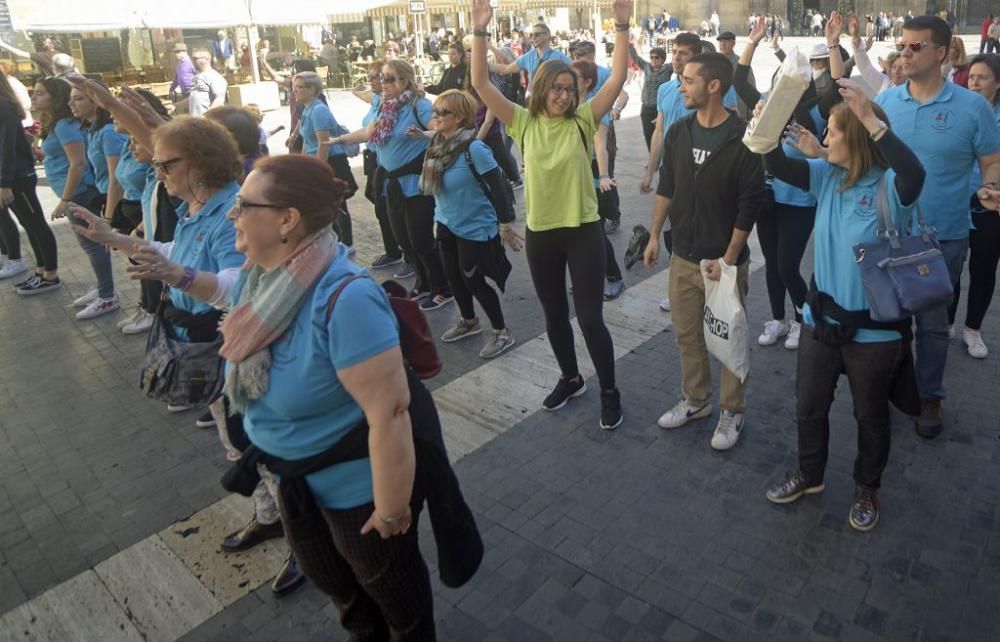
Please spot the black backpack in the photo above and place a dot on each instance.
(486, 188)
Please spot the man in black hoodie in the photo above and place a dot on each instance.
(712, 186)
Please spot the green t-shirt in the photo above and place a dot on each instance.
(559, 183)
(705, 141)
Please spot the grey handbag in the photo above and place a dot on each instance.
(902, 275)
(178, 372)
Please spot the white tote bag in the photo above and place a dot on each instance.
(727, 332)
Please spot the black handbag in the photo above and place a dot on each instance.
(179, 372)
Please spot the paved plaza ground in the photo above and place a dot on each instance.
(111, 511)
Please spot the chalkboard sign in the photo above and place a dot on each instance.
(6, 28)
(101, 54)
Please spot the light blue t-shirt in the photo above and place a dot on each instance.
(131, 175)
(65, 132)
(531, 61)
(399, 149)
(603, 73)
(948, 133)
(372, 110)
(103, 144)
(670, 102)
(306, 409)
(977, 174)
(205, 241)
(317, 117)
(460, 203)
(844, 219)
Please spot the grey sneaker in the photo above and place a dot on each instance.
(463, 328)
(499, 342)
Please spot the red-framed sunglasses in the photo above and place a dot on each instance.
(914, 45)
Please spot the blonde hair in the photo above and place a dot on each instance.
(863, 155)
(462, 103)
(958, 46)
(545, 78)
(404, 71)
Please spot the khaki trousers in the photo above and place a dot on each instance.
(686, 288)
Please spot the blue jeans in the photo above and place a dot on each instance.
(932, 329)
(100, 257)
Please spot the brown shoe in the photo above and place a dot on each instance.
(929, 424)
(251, 535)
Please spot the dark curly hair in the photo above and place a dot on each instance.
(207, 147)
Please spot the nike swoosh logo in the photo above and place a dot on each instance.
(470, 273)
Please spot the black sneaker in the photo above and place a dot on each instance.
(611, 409)
(206, 420)
(636, 246)
(565, 390)
(793, 487)
(864, 512)
(39, 285)
(385, 261)
(28, 279)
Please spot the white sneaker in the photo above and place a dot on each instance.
(141, 323)
(682, 413)
(12, 268)
(773, 330)
(86, 299)
(665, 304)
(175, 408)
(727, 432)
(973, 340)
(99, 307)
(138, 312)
(792, 340)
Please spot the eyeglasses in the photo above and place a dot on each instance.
(164, 165)
(538, 34)
(241, 206)
(442, 112)
(388, 80)
(657, 57)
(560, 89)
(914, 45)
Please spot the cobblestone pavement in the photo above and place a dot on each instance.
(637, 534)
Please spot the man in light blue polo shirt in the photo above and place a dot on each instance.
(670, 104)
(950, 129)
(531, 61)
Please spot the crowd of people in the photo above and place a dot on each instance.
(253, 253)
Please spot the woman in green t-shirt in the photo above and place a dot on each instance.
(555, 134)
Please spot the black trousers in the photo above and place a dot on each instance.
(381, 587)
(869, 368)
(608, 209)
(389, 242)
(29, 214)
(460, 258)
(647, 115)
(342, 225)
(413, 227)
(784, 233)
(984, 255)
(581, 249)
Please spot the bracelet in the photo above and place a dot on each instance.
(187, 280)
(604, 176)
(389, 521)
(622, 26)
(879, 131)
(481, 33)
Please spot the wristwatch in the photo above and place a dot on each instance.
(880, 130)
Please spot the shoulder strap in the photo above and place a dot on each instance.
(337, 292)
(479, 178)
(416, 115)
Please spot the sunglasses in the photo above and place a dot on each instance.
(164, 165)
(442, 112)
(539, 34)
(388, 80)
(914, 45)
(241, 206)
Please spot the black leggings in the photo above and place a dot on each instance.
(784, 233)
(342, 224)
(29, 214)
(579, 248)
(607, 208)
(413, 227)
(984, 255)
(460, 258)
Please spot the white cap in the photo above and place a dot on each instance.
(819, 51)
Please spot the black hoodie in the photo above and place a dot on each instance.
(16, 157)
(726, 192)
